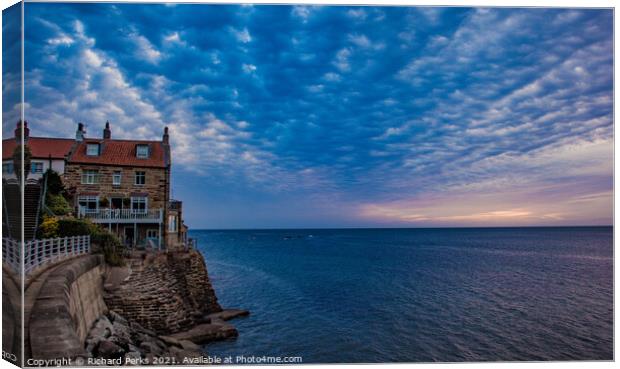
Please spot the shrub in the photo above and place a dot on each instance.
(111, 248)
(48, 228)
(57, 204)
(54, 182)
(76, 227)
(107, 243)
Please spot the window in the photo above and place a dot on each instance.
(88, 204)
(7, 168)
(116, 178)
(152, 233)
(36, 168)
(92, 149)
(90, 176)
(142, 151)
(140, 178)
(138, 205)
(172, 223)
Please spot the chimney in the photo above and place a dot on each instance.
(107, 133)
(18, 132)
(79, 134)
(166, 138)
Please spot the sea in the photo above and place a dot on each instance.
(415, 295)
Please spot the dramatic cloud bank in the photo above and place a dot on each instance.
(309, 116)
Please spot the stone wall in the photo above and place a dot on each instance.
(70, 301)
(156, 186)
(166, 292)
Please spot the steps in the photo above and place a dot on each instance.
(12, 221)
(32, 201)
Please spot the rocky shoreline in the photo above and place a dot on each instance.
(161, 309)
(114, 339)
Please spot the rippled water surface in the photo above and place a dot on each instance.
(403, 295)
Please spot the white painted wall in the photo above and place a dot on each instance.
(58, 165)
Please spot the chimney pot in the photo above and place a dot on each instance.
(79, 134)
(18, 131)
(107, 133)
(166, 137)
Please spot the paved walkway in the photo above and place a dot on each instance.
(33, 289)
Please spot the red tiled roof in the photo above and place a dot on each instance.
(121, 152)
(40, 147)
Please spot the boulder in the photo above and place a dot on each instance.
(150, 347)
(189, 345)
(203, 333)
(122, 334)
(109, 350)
(170, 341)
(228, 314)
(117, 318)
(132, 356)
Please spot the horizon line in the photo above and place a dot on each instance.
(354, 228)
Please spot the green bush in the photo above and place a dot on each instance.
(108, 244)
(76, 227)
(54, 182)
(57, 204)
(48, 228)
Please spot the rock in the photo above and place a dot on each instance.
(138, 328)
(181, 354)
(122, 334)
(189, 345)
(132, 356)
(228, 314)
(109, 350)
(101, 329)
(151, 347)
(171, 341)
(204, 333)
(117, 318)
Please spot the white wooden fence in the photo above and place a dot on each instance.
(45, 251)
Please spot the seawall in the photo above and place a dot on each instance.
(70, 301)
(165, 292)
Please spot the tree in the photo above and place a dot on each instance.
(17, 161)
(54, 182)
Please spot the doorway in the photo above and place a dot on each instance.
(129, 236)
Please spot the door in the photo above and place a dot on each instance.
(129, 236)
(152, 237)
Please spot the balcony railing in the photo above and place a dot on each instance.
(123, 215)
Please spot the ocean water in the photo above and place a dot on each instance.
(416, 295)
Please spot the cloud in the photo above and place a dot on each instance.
(379, 112)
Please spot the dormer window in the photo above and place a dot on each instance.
(142, 151)
(92, 149)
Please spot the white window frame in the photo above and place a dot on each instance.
(143, 175)
(142, 151)
(88, 198)
(90, 147)
(173, 223)
(117, 176)
(90, 176)
(154, 233)
(139, 200)
(34, 165)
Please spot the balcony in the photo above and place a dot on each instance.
(123, 215)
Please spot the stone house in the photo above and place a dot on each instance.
(123, 185)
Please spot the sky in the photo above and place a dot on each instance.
(338, 116)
